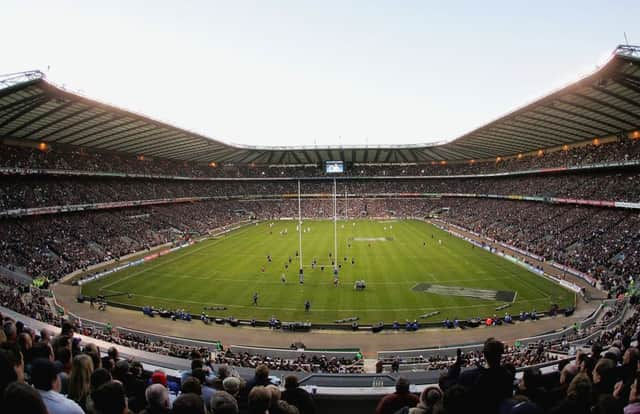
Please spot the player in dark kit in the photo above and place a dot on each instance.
(307, 306)
(255, 299)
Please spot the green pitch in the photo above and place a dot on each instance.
(408, 273)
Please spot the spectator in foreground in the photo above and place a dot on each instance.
(188, 404)
(191, 386)
(578, 399)
(634, 398)
(261, 377)
(44, 377)
(259, 400)
(23, 398)
(489, 385)
(223, 403)
(297, 396)
(429, 397)
(232, 386)
(110, 398)
(205, 390)
(399, 399)
(277, 406)
(8, 372)
(80, 379)
(157, 397)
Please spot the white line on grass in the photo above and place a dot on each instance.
(331, 309)
(329, 278)
(162, 263)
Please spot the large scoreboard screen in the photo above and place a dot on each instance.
(334, 167)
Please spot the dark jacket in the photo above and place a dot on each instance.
(301, 399)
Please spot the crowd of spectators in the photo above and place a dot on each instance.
(302, 363)
(518, 357)
(600, 242)
(31, 302)
(42, 373)
(45, 373)
(27, 192)
(74, 158)
(542, 351)
(55, 245)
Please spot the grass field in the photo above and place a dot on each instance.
(391, 256)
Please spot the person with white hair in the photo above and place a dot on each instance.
(158, 402)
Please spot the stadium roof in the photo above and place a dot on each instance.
(602, 104)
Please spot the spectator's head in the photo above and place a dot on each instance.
(613, 353)
(568, 373)
(110, 398)
(42, 350)
(99, 377)
(80, 378)
(580, 388)
(402, 385)
(159, 377)
(430, 396)
(191, 386)
(596, 350)
(136, 368)
(262, 372)
(223, 403)
(631, 357)
(45, 335)
(7, 369)
(157, 397)
(188, 404)
(492, 351)
(603, 371)
(223, 372)
(17, 359)
(67, 328)
(22, 398)
(231, 385)
(291, 382)
(94, 352)
(10, 331)
(44, 375)
(112, 352)
(196, 363)
(121, 370)
(259, 400)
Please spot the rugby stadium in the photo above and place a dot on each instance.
(337, 269)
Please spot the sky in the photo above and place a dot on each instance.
(325, 73)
